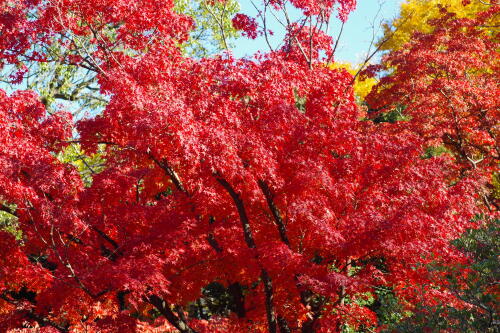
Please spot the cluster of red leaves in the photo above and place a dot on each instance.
(306, 45)
(247, 24)
(448, 81)
(324, 7)
(251, 173)
(70, 23)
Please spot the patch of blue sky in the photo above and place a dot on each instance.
(363, 27)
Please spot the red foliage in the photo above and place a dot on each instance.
(247, 24)
(246, 173)
(315, 7)
(448, 82)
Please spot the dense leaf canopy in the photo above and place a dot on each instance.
(232, 195)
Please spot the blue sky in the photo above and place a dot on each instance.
(356, 36)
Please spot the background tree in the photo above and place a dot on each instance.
(417, 16)
(474, 282)
(440, 88)
(59, 81)
(446, 82)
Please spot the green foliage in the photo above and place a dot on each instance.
(496, 185)
(392, 116)
(214, 30)
(433, 151)
(8, 221)
(478, 289)
(87, 165)
(300, 101)
(387, 306)
(59, 83)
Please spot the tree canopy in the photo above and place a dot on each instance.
(215, 194)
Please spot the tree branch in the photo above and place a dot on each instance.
(247, 231)
(274, 210)
(165, 310)
(42, 321)
(168, 169)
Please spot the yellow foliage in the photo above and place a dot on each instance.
(415, 14)
(496, 185)
(361, 87)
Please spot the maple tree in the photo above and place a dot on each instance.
(255, 179)
(59, 82)
(443, 84)
(447, 83)
(477, 288)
